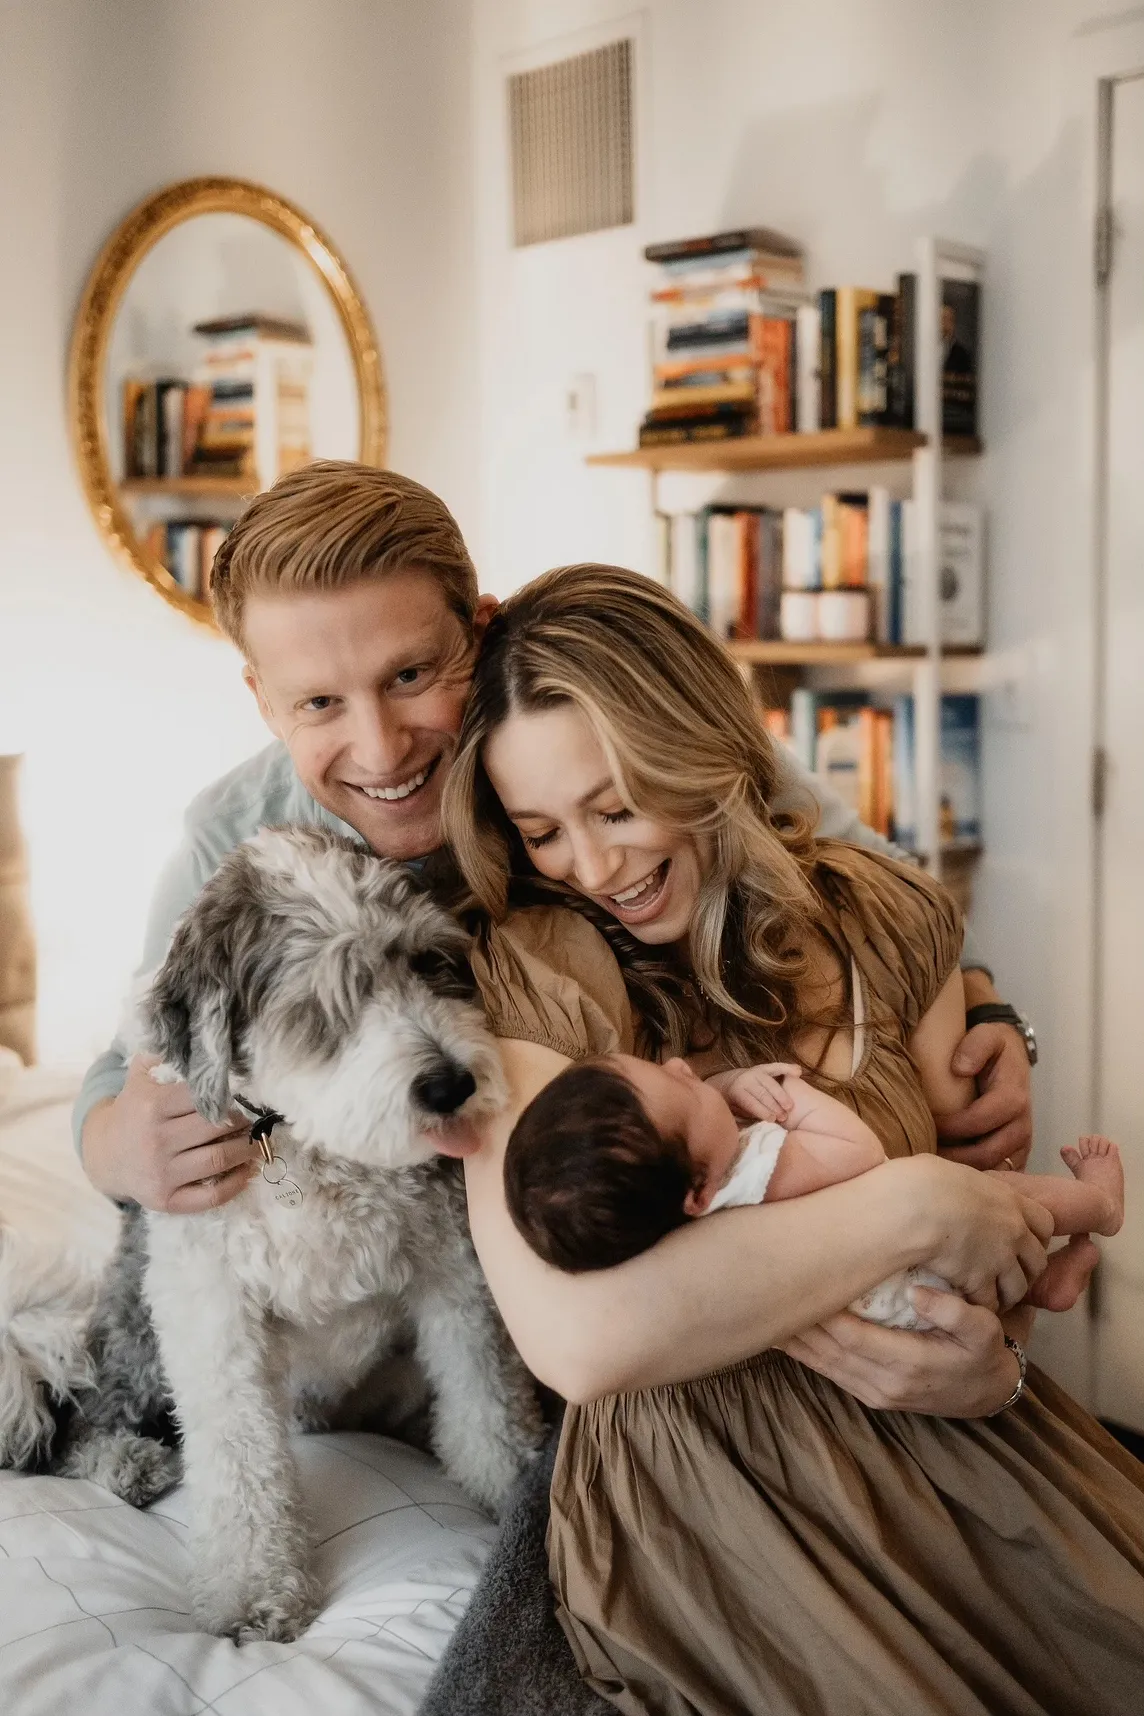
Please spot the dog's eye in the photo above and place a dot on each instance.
(446, 972)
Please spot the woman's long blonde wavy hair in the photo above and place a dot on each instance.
(686, 749)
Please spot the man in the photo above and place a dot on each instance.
(352, 597)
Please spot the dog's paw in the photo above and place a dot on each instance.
(135, 1468)
(280, 1613)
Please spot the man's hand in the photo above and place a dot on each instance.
(995, 1131)
(150, 1144)
(960, 1369)
(1000, 1121)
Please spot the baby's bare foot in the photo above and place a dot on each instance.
(1096, 1162)
(1066, 1276)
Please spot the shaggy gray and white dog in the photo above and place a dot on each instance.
(315, 981)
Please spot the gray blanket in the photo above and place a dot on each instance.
(509, 1656)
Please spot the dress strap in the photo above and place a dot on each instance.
(859, 1048)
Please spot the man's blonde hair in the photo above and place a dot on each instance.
(333, 523)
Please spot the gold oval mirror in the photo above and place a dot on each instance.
(220, 342)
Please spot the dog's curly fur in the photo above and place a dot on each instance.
(322, 983)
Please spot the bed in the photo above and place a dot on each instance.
(94, 1609)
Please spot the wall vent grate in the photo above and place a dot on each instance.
(572, 154)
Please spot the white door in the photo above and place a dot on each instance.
(1120, 1321)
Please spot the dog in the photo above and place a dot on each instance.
(323, 991)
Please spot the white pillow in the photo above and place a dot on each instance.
(95, 1617)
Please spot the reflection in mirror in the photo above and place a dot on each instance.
(220, 343)
(227, 367)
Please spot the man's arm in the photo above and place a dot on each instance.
(144, 1141)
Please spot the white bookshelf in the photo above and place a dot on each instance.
(925, 667)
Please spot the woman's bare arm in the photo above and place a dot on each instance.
(719, 1290)
(932, 1048)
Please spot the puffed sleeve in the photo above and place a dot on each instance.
(547, 976)
(903, 929)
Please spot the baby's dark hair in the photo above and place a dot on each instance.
(588, 1180)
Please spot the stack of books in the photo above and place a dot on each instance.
(723, 313)
(246, 413)
(257, 424)
(187, 547)
(740, 348)
(839, 572)
(865, 751)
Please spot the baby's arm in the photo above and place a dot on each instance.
(826, 1142)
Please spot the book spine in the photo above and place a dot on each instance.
(808, 357)
(703, 563)
(902, 354)
(896, 576)
(828, 359)
(831, 552)
(960, 312)
(878, 561)
(873, 362)
(678, 434)
(846, 360)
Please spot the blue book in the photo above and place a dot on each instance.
(896, 581)
(960, 769)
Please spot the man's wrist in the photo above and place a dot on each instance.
(1002, 1013)
(91, 1144)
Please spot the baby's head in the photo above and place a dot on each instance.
(614, 1154)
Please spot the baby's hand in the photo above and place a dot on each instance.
(757, 1093)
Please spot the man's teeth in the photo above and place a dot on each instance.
(633, 893)
(402, 791)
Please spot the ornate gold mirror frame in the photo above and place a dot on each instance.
(107, 283)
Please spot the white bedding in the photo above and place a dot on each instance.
(94, 1616)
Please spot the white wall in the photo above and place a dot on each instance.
(856, 125)
(358, 110)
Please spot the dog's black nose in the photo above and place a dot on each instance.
(443, 1090)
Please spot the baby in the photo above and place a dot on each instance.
(616, 1152)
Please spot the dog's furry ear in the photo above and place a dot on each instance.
(188, 1013)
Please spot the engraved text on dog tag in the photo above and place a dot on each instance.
(289, 1194)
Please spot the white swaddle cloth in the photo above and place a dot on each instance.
(889, 1302)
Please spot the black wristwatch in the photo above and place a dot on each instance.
(1000, 1012)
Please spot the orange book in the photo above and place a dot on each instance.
(771, 340)
(867, 767)
(853, 533)
(747, 558)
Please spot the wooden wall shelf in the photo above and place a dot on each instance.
(782, 452)
(192, 488)
(779, 653)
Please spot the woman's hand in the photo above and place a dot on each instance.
(960, 1369)
(989, 1249)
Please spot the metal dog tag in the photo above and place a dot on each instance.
(286, 1191)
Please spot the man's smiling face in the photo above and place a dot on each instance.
(366, 686)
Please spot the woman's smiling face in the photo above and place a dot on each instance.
(551, 775)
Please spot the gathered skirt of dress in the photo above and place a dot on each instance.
(758, 1542)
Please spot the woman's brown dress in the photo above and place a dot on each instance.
(758, 1541)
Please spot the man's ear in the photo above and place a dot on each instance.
(485, 609)
(254, 684)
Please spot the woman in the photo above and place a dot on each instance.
(731, 1532)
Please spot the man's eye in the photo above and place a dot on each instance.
(318, 704)
(408, 676)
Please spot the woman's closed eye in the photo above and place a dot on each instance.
(532, 841)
